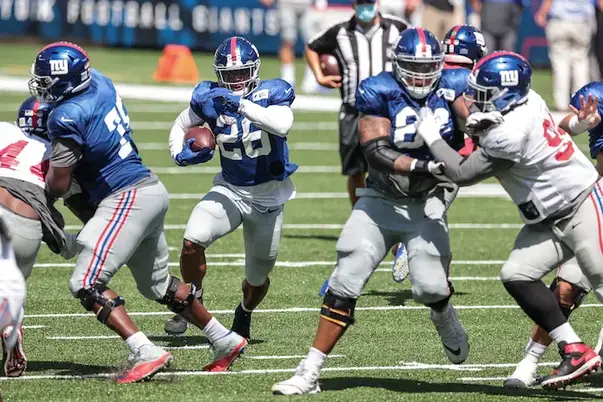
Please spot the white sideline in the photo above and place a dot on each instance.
(405, 367)
(294, 310)
(338, 226)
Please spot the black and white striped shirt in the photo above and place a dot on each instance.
(360, 54)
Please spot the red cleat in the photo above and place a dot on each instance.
(578, 360)
(226, 351)
(149, 360)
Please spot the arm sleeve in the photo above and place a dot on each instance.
(470, 170)
(187, 119)
(274, 119)
(326, 41)
(65, 153)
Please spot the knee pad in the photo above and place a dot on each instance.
(94, 295)
(339, 310)
(169, 299)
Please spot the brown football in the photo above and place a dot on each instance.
(329, 65)
(204, 138)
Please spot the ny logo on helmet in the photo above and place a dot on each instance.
(509, 78)
(59, 67)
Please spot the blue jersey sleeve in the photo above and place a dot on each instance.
(199, 98)
(281, 93)
(65, 122)
(453, 83)
(595, 135)
(371, 98)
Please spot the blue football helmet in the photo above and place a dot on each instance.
(61, 69)
(464, 44)
(499, 82)
(32, 117)
(418, 60)
(237, 65)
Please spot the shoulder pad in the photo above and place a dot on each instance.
(453, 83)
(64, 122)
(276, 91)
(373, 95)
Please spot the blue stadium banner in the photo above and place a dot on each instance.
(199, 24)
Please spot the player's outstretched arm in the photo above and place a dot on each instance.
(463, 171)
(184, 121)
(374, 132)
(584, 118)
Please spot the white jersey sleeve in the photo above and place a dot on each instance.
(23, 156)
(549, 172)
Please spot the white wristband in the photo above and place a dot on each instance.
(578, 127)
(413, 164)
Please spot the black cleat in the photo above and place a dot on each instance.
(242, 323)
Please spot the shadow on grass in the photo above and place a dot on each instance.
(66, 368)
(175, 341)
(401, 297)
(407, 386)
(311, 236)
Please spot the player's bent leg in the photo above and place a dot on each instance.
(262, 229)
(213, 217)
(362, 245)
(12, 298)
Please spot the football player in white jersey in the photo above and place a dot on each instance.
(555, 187)
(570, 286)
(25, 208)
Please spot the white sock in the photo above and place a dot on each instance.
(534, 351)
(315, 359)
(214, 330)
(288, 73)
(564, 333)
(245, 309)
(137, 340)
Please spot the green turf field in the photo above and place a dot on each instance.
(392, 353)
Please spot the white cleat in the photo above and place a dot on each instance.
(453, 335)
(145, 363)
(400, 268)
(226, 351)
(599, 343)
(524, 376)
(305, 381)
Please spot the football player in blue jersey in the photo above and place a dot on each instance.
(463, 46)
(90, 133)
(404, 202)
(250, 119)
(570, 286)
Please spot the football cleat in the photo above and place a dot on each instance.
(599, 343)
(145, 363)
(453, 335)
(15, 362)
(226, 351)
(400, 267)
(304, 381)
(524, 376)
(241, 323)
(176, 326)
(578, 360)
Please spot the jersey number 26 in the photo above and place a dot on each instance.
(254, 143)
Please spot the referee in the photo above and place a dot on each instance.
(361, 46)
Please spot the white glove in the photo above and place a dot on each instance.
(435, 167)
(480, 121)
(428, 126)
(421, 166)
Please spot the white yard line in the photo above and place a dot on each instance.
(217, 169)
(186, 347)
(289, 264)
(167, 125)
(404, 367)
(296, 146)
(296, 310)
(33, 326)
(338, 226)
(287, 357)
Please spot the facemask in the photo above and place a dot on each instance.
(366, 12)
